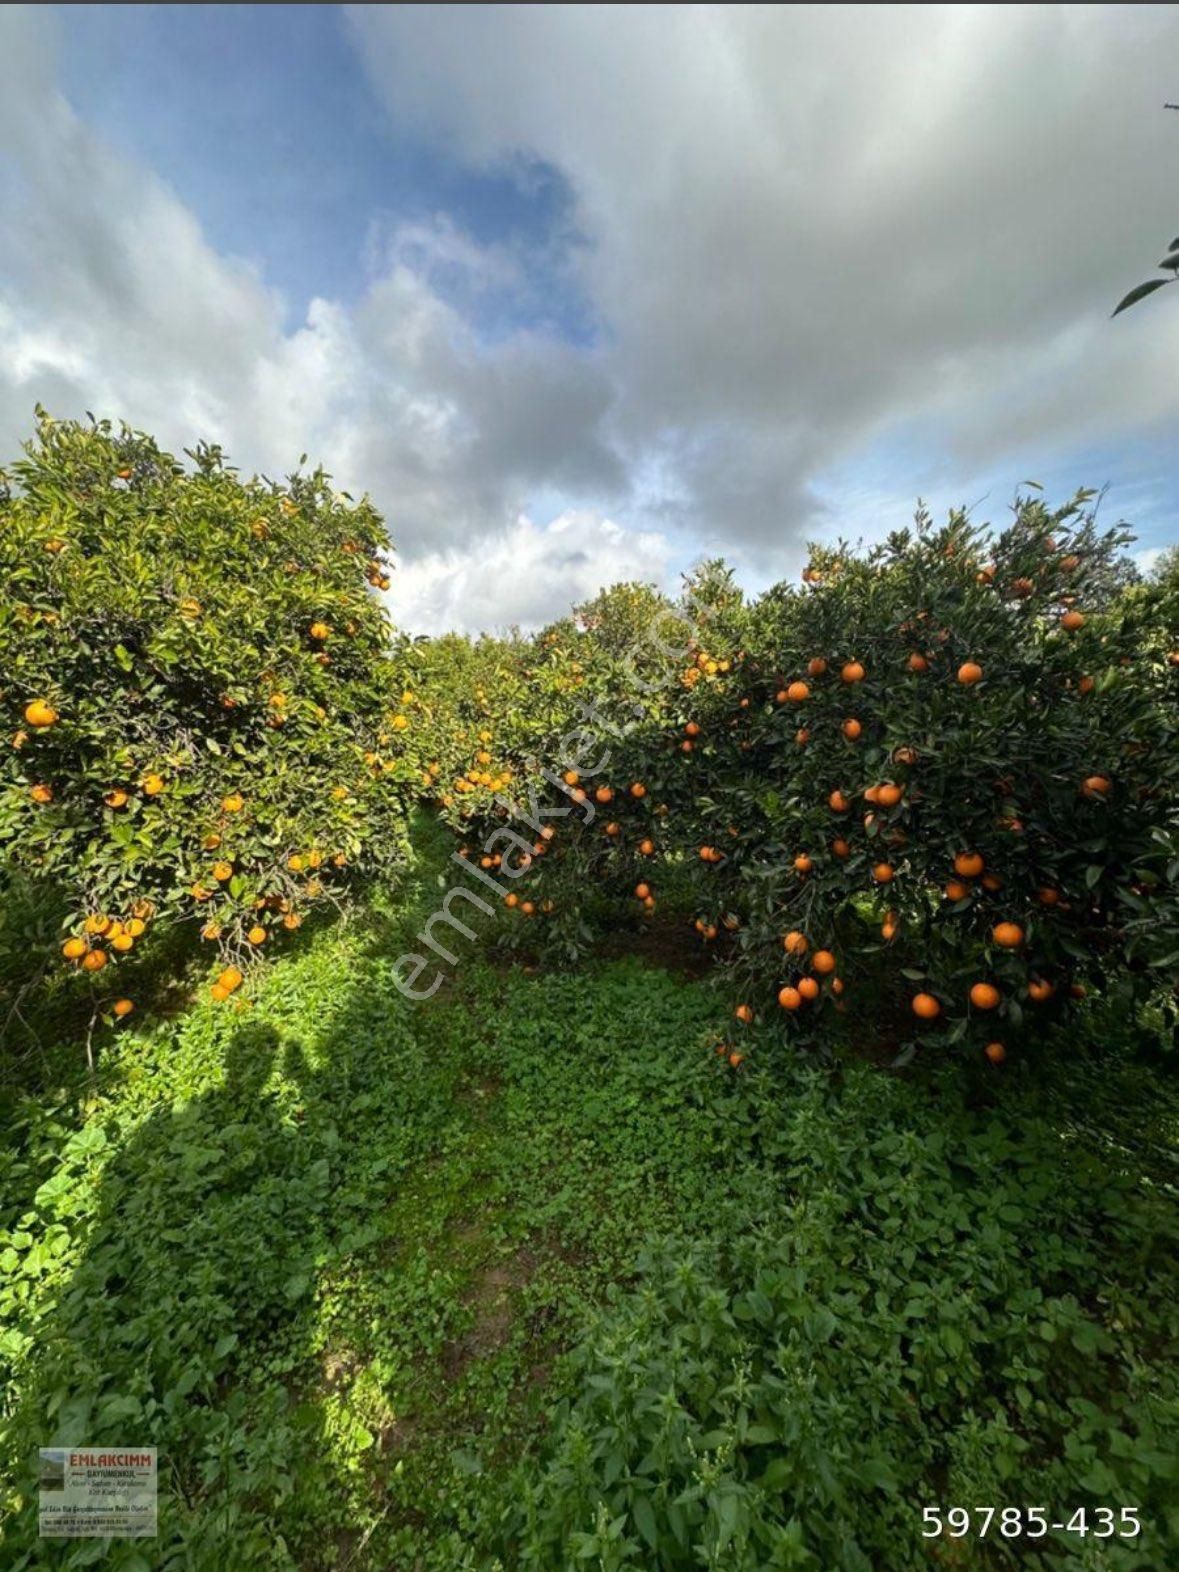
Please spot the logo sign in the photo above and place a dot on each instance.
(98, 1492)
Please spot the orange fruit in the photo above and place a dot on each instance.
(256, 935)
(918, 663)
(837, 985)
(851, 729)
(230, 979)
(889, 926)
(1072, 621)
(41, 794)
(94, 960)
(96, 924)
(612, 828)
(1097, 786)
(883, 873)
(984, 996)
(926, 1006)
(969, 673)
(956, 890)
(211, 930)
(823, 962)
(115, 799)
(968, 865)
(797, 692)
(74, 949)
(222, 871)
(691, 729)
(808, 987)
(781, 696)
(638, 789)
(1086, 685)
(642, 891)
(122, 942)
(123, 1007)
(789, 998)
(736, 1059)
(40, 713)
(838, 803)
(904, 755)
(802, 735)
(991, 881)
(795, 943)
(511, 899)
(571, 777)
(233, 803)
(853, 671)
(220, 992)
(647, 848)
(604, 794)
(527, 908)
(1047, 896)
(840, 848)
(888, 795)
(319, 631)
(153, 785)
(744, 1012)
(995, 1052)
(1039, 990)
(1008, 935)
(816, 667)
(803, 863)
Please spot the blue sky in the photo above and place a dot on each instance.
(263, 120)
(580, 294)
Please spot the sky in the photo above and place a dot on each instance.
(581, 294)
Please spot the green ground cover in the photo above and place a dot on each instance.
(527, 1277)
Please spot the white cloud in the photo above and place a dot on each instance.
(112, 299)
(810, 223)
(526, 575)
(807, 234)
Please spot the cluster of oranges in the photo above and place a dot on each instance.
(707, 666)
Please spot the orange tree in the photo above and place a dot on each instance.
(939, 780)
(952, 785)
(206, 719)
(577, 753)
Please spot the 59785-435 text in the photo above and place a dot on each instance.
(1013, 1522)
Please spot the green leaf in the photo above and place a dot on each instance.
(1140, 293)
(644, 1515)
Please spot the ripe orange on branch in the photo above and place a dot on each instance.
(40, 714)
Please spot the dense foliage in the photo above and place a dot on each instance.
(930, 770)
(203, 716)
(595, 1258)
(853, 1298)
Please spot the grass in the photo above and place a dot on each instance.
(524, 1277)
